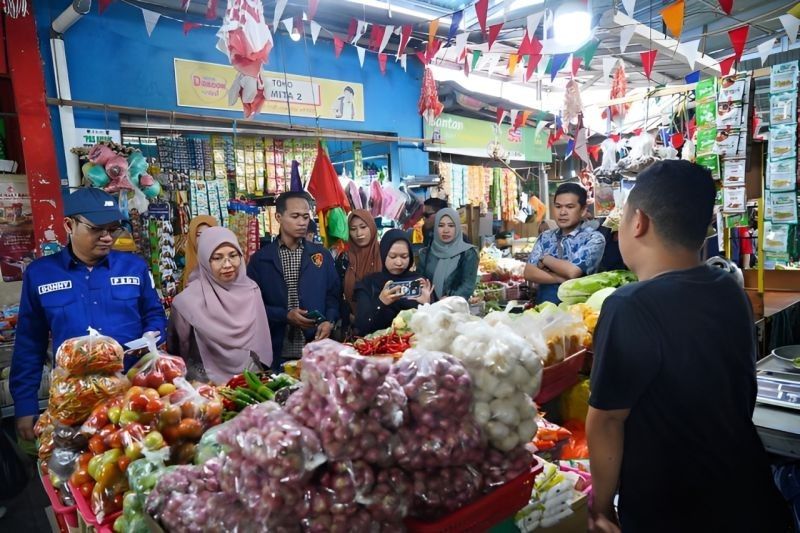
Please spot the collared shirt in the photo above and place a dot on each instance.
(290, 262)
(583, 247)
(61, 297)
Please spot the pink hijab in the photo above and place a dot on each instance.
(229, 319)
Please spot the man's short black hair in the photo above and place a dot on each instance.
(437, 204)
(678, 196)
(572, 188)
(350, 90)
(280, 203)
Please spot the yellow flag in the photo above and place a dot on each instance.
(512, 64)
(432, 31)
(795, 10)
(673, 18)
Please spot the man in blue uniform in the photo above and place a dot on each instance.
(85, 285)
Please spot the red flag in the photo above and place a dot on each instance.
(211, 10)
(594, 151)
(533, 62)
(726, 5)
(189, 26)
(433, 49)
(313, 5)
(726, 64)
(338, 46)
(522, 119)
(648, 59)
(423, 58)
(102, 5)
(637, 132)
(351, 30)
(382, 62)
(324, 184)
(615, 137)
(576, 64)
(481, 8)
(376, 36)
(404, 37)
(500, 114)
(677, 140)
(494, 31)
(738, 38)
(529, 46)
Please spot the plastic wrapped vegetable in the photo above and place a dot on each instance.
(209, 447)
(111, 482)
(391, 496)
(498, 468)
(143, 474)
(156, 368)
(580, 289)
(102, 415)
(44, 433)
(434, 325)
(90, 354)
(72, 398)
(441, 491)
(61, 465)
(186, 414)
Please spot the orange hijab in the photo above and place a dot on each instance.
(364, 260)
(191, 247)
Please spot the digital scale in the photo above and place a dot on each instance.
(777, 412)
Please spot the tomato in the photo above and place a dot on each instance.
(155, 379)
(190, 428)
(154, 440)
(138, 402)
(83, 460)
(166, 388)
(106, 431)
(189, 410)
(171, 434)
(154, 406)
(86, 489)
(213, 409)
(123, 463)
(80, 477)
(140, 380)
(117, 501)
(99, 419)
(115, 440)
(170, 415)
(96, 446)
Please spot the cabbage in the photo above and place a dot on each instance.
(596, 300)
(578, 290)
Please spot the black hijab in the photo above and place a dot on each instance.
(374, 283)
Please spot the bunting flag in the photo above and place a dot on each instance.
(625, 36)
(102, 5)
(764, 50)
(512, 64)
(481, 8)
(608, 66)
(189, 26)
(630, 6)
(361, 53)
(514, 115)
(532, 22)
(185, 5)
(405, 35)
(351, 30)
(587, 52)
(404, 62)
(338, 46)
(298, 25)
(738, 39)
(533, 62)
(541, 69)
(280, 5)
(361, 29)
(673, 18)
(466, 67)
(529, 46)
(476, 55)
(315, 29)
(211, 10)
(382, 62)
(570, 148)
(726, 64)
(581, 147)
(694, 77)
(288, 24)
(376, 36)
(524, 121)
(494, 59)
(461, 45)
(494, 31)
(594, 151)
(648, 60)
(540, 126)
(432, 29)
(576, 64)
(387, 35)
(433, 49)
(558, 62)
(313, 5)
(458, 16)
(423, 58)
(150, 20)
(791, 25)
(689, 50)
(547, 23)
(727, 6)
(501, 113)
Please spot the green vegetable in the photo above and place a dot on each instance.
(578, 290)
(796, 362)
(596, 300)
(256, 386)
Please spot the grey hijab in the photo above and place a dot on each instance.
(448, 254)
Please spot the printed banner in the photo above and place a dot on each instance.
(206, 85)
(17, 244)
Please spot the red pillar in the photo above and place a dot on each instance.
(38, 145)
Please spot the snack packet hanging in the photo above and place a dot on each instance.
(156, 368)
(91, 354)
(72, 398)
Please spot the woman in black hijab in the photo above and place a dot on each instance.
(378, 297)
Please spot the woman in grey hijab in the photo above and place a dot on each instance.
(449, 262)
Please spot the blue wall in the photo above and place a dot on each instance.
(111, 60)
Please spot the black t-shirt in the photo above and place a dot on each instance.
(679, 352)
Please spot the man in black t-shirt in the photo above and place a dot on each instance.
(673, 384)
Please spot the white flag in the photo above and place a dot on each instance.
(514, 113)
(289, 25)
(581, 147)
(360, 31)
(461, 43)
(150, 20)
(608, 66)
(625, 36)
(540, 126)
(361, 52)
(494, 59)
(764, 50)
(386, 36)
(790, 24)
(533, 22)
(630, 6)
(404, 62)
(280, 5)
(315, 28)
(689, 50)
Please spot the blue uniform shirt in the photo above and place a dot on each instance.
(62, 297)
(583, 247)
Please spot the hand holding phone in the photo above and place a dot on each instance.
(316, 316)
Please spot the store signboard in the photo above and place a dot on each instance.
(17, 244)
(206, 85)
(88, 137)
(466, 136)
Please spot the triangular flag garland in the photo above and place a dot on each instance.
(587, 52)
(727, 6)
(211, 9)
(476, 55)
(280, 5)
(694, 77)
(558, 62)
(382, 58)
(189, 26)
(315, 29)
(288, 24)
(405, 35)
(532, 22)
(690, 50)
(630, 6)
(791, 24)
(361, 29)
(501, 113)
(673, 18)
(376, 36)
(313, 5)
(648, 60)
(461, 44)
(150, 20)
(387, 35)
(361, 53)
(481, 9)
(514, 115)
(625, 36)
(576, 64)
(351, 30)
(494, 31)
(338, 46)
(512, 64)
(764, 50)
(529, 46)
(432, 29)
(738, 39)
(404, 62)
(458, 16)
(726, 64)
(533, 62)
(608, 65)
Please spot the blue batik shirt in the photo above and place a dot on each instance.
(583, 247)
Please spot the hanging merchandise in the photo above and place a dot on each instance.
(328, 194)
(619, 88)
(573, 107)
(115, 168)
(429, 105)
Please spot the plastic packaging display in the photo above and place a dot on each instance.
(443, 490)
(498, 468)
(61, 464)
(90, 354)
(143, 474)
(156, 367)
(72, 398)
(188, 413)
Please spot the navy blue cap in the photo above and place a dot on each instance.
(95, 205)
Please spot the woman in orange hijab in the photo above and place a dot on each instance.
(197, 225)
(362, 258)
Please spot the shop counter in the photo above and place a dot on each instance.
(777, 412)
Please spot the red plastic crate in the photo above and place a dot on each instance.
(66, 515)
(560, 377)
(85, 509)
(488, 511)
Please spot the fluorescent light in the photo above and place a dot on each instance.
(520, 4)
(572, 23)
(378, 4)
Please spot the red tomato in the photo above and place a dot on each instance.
(115, 440)
(155, 379)
(86, 489)
(117, 501)
(107, 430)
(138, 402)
(96, 446)
(140, 380)
(83, 460)
(171, 434)
(190, 428)
(80, 477)
(123, 463)
(154, 406)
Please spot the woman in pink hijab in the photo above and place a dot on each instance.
(218, 323)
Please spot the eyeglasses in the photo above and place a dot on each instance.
(114, 230)
(234, 260)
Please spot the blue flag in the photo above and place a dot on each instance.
(694, 77)
(457, 16)
(557, 63)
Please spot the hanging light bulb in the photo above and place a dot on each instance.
(295, 35)
(572, 23)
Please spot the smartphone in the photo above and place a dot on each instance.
(411, 289)
(316, 316)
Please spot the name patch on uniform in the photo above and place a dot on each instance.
(53, 287)
(125, 280)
